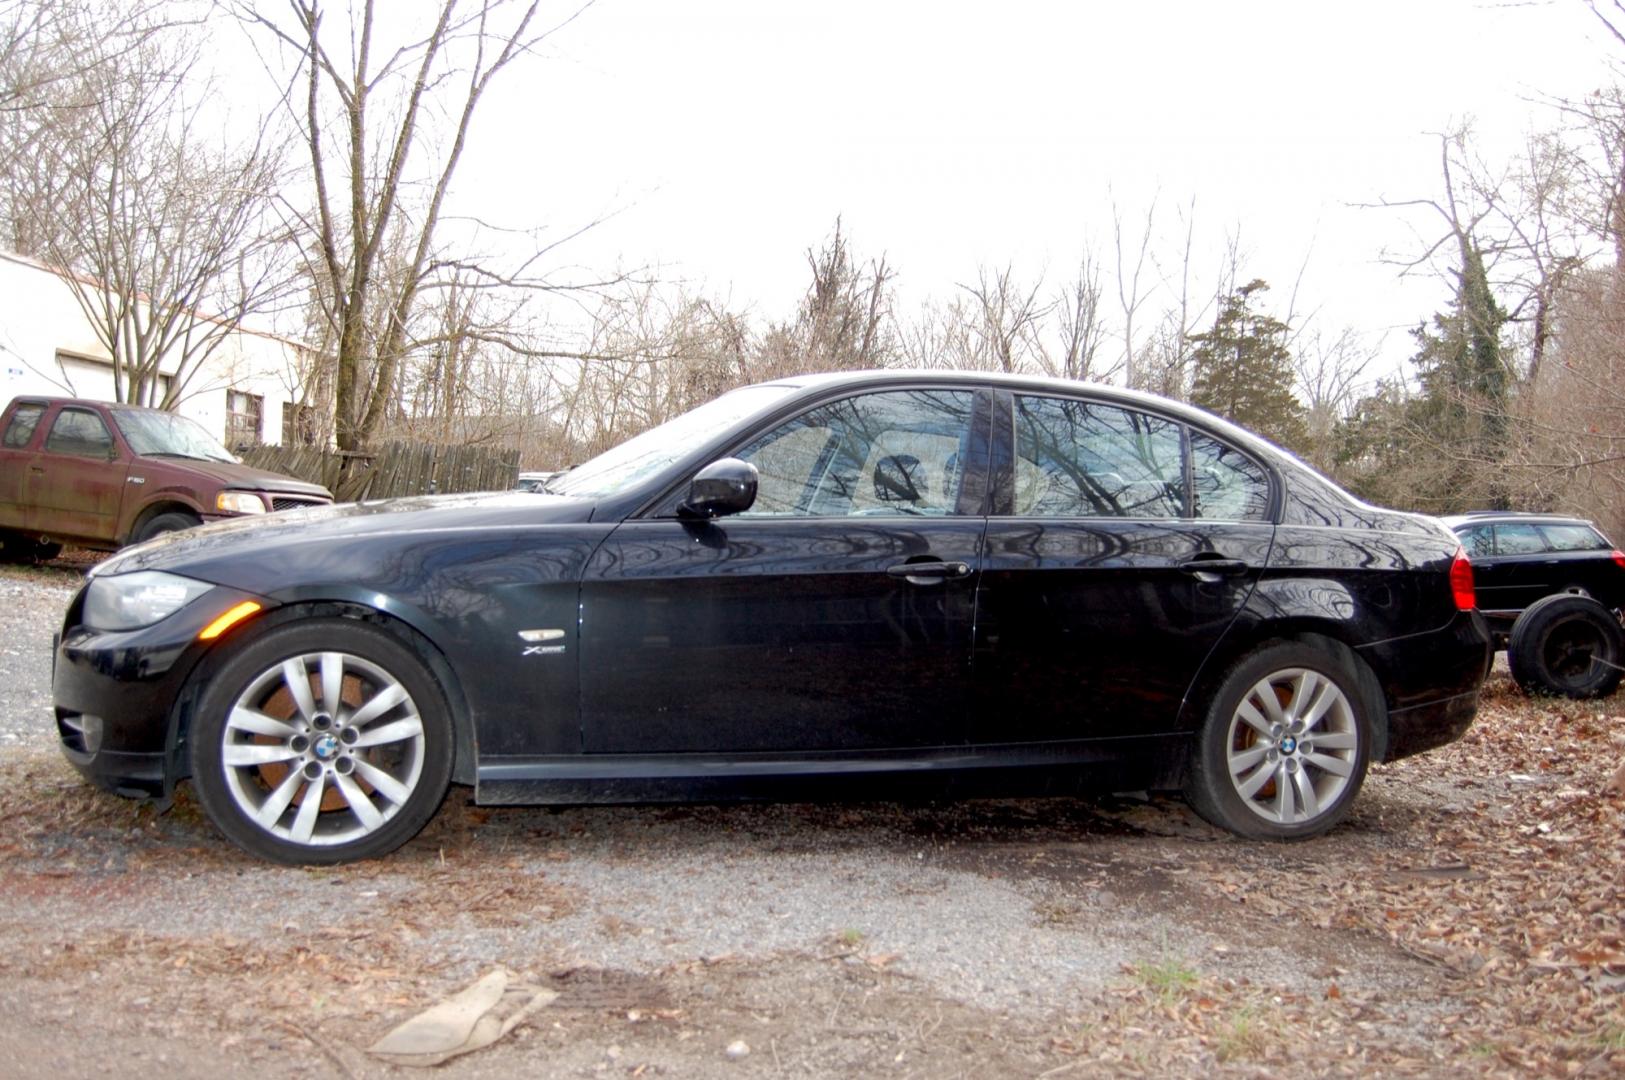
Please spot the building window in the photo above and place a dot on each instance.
(299, 424)
(243, 419)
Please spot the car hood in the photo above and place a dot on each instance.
(248, 536)
(230, 474)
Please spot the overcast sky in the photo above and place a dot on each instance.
(726, 135)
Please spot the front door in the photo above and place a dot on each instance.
(834, 615)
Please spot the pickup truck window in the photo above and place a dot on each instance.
(79, 432)
(23, 422)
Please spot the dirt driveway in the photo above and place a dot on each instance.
(1466, 921)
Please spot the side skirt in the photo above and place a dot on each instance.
(1129, 764)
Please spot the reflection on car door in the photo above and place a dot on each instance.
(1121, 547)
(835, 615)
(1520, 572)
(75, 482)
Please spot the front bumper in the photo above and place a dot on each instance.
(119, 696)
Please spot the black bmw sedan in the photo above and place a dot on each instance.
(872, 582)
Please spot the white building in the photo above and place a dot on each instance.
(247, 391)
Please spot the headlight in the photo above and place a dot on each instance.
(239, 502)
(128, 601)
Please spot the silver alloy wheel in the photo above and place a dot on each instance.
(322, 748)
(1292, 746)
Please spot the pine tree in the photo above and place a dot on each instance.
(1461, 412)
(1243, 370)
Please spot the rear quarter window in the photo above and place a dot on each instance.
(1573, 538)
(21, 428)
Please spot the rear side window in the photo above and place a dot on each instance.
(79, 432)
(23, 422)
(1518, 540)
(1086, 459)
(1573, 538)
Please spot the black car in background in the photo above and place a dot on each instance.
(1520, 558)
(879, 582)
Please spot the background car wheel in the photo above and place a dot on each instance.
(1571, 646)
(322, 742)
(1284, 748)
(174, 521)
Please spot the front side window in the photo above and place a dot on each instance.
(893, 452)
(23, 422)
(1087, 459)
(79, 432)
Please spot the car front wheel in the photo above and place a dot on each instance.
(1284, 747)
(322, 742)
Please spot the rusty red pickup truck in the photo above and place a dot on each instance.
(101, 475)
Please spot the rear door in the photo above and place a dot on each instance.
(76, 481)
(16, 454)
(835, 615)
(1121, 547)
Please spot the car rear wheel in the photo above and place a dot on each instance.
(322, 742)
(1566, 645)
(173, 521)
(1284, 747)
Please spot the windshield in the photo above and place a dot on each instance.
(658, 447)
(153, 433)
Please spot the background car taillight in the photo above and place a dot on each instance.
(1619, 558)
(1461, 582)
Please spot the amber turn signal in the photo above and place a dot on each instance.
(231, 617)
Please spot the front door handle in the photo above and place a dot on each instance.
(926, 573)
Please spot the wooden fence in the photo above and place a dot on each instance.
(396, 468)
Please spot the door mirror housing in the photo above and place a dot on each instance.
(727, 486)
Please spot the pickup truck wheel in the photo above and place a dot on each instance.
(165, 523)
(16, 547)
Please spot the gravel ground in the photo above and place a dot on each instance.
(31, 606)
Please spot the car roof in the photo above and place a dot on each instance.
(1041, 384)
(1485, 517)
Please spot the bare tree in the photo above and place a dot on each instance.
(374, 195)
(157, 223)
(1007, 318)
(1080, 328)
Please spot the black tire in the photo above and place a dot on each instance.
(1570, 646)
(300, 783)
(1262, 770)
(174, 521)
(16, 547)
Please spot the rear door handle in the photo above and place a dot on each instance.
(1227, 567)
(924, 573)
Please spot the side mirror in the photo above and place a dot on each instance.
(723, 487)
